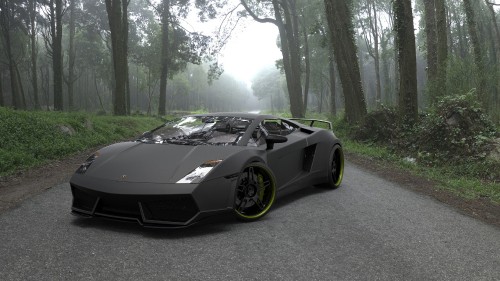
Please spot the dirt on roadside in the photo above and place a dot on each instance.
(24, 184)
(18, 187)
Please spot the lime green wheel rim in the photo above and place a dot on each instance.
(337, 166)
(255, 192)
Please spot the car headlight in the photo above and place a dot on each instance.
(83, 168)
(196, 175)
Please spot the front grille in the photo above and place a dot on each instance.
(153, 208)
(119, 205)
(83, 200)
(174, 208)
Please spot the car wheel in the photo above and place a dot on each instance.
(255, 192)
(336, 167)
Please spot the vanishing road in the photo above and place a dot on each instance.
(368, 229)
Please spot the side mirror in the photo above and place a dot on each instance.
(272, 139)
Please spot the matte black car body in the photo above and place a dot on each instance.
(144, 182)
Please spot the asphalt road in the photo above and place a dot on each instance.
(368, 229)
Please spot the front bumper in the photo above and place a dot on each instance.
(151, 204)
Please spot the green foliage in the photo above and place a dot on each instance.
(457, 130)
(378, 126)
(32, 138)
(453, 138)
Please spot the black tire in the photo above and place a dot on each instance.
(255, 192)
(335, 168)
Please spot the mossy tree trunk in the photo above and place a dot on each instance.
(339, 19)
(408, 101)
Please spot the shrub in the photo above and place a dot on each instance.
(456, 130)
(379, 126)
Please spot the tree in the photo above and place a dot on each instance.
(32, 8)
(9, 24)
(442, 46)
(53, 42)
(70, 80)
(431, 44)
(408, 103)
(339, 19)
(118, 25)
(286, 19)
(165, 16)
(476, 46)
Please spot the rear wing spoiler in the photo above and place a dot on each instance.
(312, 121)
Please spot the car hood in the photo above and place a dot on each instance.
(154, 163)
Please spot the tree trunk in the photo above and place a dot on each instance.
(34, 71)
(21, 89)
(442, 46)
(495, 25)
(290, 38)
(408, 103)
(331, 72)
(5, 18)
(431, 41)
(376, 53)
(342, 37)
(56, 34)
(476, 46)
(308, 69)
(117, 16)
(165, 50)
(71, 55)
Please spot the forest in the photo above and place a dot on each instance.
(338, 57)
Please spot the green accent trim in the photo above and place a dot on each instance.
(341, 172)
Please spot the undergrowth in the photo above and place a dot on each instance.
(452, 144)
(31, 138)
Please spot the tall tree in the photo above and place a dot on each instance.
(70, 80)
(339, 19)
(403, 23)
(32, 8)
(54, 45)
(8, 26)
(478, 54)
(442, 46)
(286, 19)
(431, 44)
(165, 12)
(118, 25)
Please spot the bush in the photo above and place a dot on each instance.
(456, 130)
(379, 126)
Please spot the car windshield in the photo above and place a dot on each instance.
(200, 130)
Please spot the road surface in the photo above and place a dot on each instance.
(368, 229)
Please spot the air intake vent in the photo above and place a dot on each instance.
(308, 157)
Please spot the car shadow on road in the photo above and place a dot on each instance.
(212, 225)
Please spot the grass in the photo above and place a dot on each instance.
(31, 138)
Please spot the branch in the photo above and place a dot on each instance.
(492, 4)
(255, 17)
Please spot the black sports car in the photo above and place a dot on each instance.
(205, 164)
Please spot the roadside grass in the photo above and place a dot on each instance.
(449, 178)
(463, 180)
(32, 138)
